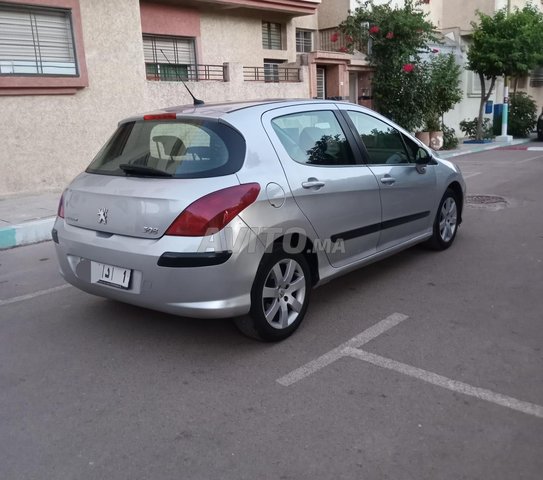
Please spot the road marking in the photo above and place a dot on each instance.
(469, 175)
(351, 348)
(335, 354)
(535, 149)
(444, 382)
(529, 159)
(29, 296)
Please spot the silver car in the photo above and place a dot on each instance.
(241, 209)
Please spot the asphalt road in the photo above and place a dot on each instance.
(451, 387)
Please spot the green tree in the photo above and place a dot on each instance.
(505, 44)
(396, 37)
(442, 89)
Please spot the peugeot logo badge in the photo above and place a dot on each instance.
(102, 215)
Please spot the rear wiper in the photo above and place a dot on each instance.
(140, 169)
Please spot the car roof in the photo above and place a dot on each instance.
(219, 110)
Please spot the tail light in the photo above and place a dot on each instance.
(213, 211)
(60, 211)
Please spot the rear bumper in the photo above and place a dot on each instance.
(169, 274)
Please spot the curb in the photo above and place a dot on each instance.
(481, 148)
(26, 233)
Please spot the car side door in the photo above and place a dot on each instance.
(332, 186)
(407, 188)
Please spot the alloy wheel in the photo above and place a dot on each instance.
(447, 220)
(284, 293)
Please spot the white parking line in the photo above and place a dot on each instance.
(529, 159)
(336, 353)
(351, 348)
(469, 175)
(32, 295)
(444, 382)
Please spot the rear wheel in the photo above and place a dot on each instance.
(446, 222)
(279, 297)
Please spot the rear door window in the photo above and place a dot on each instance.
(314, 138)
(177, 149)
(385, 145)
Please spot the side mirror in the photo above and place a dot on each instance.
(422, 157)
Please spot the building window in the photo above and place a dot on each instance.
(304, 41)
(271, 36)
(169, 58)
(271, 70)
(36, 41)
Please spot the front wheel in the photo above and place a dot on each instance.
(445, 223)
(279, 297)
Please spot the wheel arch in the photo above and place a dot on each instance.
(304, 246)
(457, 189)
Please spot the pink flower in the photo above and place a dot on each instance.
(408, 67)
(390, 35)
(374, 29)
(435, 50)
(348, 39)
(334, 37)
(343, 49)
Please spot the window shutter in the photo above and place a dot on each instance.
(177, 51)
(36, 41)
(271, 36)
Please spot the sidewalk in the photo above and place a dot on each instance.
(29, 219)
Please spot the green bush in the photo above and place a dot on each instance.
(522, 115)
(450, 140)
(469, 128)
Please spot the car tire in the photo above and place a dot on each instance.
(279, 297)
(446, 222)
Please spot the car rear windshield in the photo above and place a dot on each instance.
(171, 148)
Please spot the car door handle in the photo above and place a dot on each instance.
(313, 183)
(388, 180)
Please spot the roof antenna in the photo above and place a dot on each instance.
(195, 101)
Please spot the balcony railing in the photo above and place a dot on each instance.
(272, 73)
(167, 72)
(332, 40)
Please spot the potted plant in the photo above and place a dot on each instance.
(435, 133)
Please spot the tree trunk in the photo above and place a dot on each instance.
(484, 98)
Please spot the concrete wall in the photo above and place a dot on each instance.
(459, 14)
(49, 139)
(333, 12)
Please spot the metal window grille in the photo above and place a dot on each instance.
(321, 83)
(271, 72)
(36, 41)
(304, 41)
(271, 36)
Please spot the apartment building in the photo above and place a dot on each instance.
(70, 69)
(453, 19)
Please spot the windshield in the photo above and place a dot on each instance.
(171, 148)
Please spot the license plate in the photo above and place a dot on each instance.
(110, 274)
